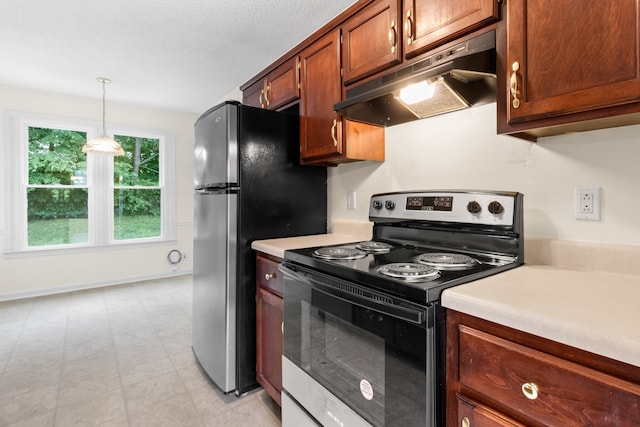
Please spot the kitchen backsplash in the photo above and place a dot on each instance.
(462, 151)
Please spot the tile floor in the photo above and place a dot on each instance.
(115, 356)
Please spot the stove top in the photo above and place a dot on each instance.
(401, 270)
(426, 241)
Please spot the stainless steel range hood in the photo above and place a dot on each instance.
(458, 77)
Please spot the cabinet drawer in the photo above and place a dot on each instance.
(267, 274)
(543, 388)
(473, 414)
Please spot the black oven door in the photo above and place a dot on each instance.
(371, 351)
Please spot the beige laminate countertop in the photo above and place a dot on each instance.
(594, 311)
(566, 292)
(343, 232)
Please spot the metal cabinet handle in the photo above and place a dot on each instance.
(282, 327)
(392, 37)
(464, 422)
(334, 132)
(267, 94)
(260, 99)
(514, 84)
(530, 391)
(298, 67)
(408, 28)
(269, 276)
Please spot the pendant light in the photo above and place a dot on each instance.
(103, 144)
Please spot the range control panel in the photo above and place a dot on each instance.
(473, 207)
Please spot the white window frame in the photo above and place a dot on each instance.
(99, 182)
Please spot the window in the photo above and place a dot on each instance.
(137, 193)
(61, 198)
(56, 190)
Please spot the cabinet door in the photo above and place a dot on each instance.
(428, 23)
(269, 308)
(278, 88)
(282, 85)
(320, 126)
(570, 57)
(254, 94)
(371, 40)
(472, 414)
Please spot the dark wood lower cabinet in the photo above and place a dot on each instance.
(497, 376)
(471, 413)
(269, 308)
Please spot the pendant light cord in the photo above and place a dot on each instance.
(104, 81)
(104, 108)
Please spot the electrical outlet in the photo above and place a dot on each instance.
(587, 203)
(351, 200)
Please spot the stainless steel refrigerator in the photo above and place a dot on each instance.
(248, 186)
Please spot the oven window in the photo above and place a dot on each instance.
(372, 362)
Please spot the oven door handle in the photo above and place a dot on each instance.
(407, 314)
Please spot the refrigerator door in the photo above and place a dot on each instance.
(216, 147)
(214, 285)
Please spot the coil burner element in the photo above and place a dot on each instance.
(373, 247)
(409, 271)
(339, 253)
(446, 261)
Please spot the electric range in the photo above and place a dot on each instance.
(364, 332)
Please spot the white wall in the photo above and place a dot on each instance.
(32, 274)
(456, 150)
(462, 151)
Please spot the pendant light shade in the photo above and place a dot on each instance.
(103, 144)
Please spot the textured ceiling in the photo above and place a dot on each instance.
(182, 55)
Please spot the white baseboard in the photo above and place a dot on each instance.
(84, 286)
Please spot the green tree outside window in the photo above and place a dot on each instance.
(137, 195)
(58, 191)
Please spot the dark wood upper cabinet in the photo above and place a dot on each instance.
(564, 61)
(325, 137)
(320, 127)
(278, 88)
(566, 70)
(429, 23)
(371, 40)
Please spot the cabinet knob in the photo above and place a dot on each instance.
(514, 84)
(392, 37)
(464, 422)
(269, 276)
(530, 391)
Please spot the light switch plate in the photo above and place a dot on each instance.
(351, 200)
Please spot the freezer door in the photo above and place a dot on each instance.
(216, 147)
(214, 286)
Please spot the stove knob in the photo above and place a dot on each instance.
(389, 204)
(377, 204)
(495, 208)
(474, 207)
